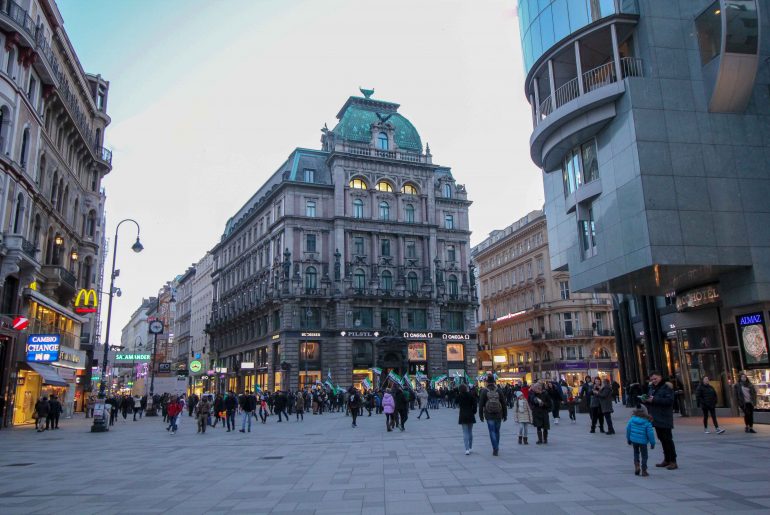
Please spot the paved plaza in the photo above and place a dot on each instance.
(323, 466)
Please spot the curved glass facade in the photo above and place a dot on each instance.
(543, 23)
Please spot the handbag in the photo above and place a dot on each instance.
(34, 415)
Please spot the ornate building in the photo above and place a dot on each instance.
(52, 161)
(342, 246)
(532, 325)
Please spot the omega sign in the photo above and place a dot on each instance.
(451, 336)
(697, 297)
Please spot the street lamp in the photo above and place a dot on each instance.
(100, 424)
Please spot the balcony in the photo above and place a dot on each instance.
(19, 253)
(19, 17)
(59, 278)
(368, 151)
(578, 333)
(104, 155)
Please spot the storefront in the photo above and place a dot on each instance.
(417, 355)
(309, 368)
(755, 357)
(71, 365)
(35, 380)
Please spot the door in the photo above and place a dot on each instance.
(702, 364)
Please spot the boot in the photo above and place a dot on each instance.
(545, 436)
(526, 442)
(520, 438)
(539, 436)
(637, 468)
(672, 466)
(644, 473)
(663, 463)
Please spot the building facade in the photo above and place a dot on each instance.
(202, 299)
(652, 127)
(349, 257)
(182, 321)
(52, 161)
(532, 325)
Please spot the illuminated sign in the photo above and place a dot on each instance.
(697, 297)
(195, 366)
(310, 335)
(509, 315)
(132, 357)
(86, 301)
(753, 340)
(43, 348)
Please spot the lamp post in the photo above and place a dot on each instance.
(100, 423)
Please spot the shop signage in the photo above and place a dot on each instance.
(486, 364)
(417, 335)
(73, 357)
(360, 334)
(195, 366)
(276, 337)
(20, 323)
(578, 365)
(453, 336)
(697, 297)
(133, 357)
(86, 301)
(751, 328)
(310, 335)
(246, 365)
(221, 370)
(164, 367)
(43, 348)
(499, 359)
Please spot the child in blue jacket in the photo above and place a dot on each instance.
(639, 433)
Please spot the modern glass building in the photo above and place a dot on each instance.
(651, 123)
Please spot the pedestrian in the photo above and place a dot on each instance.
(137, 405)
(402, 406)
(263, 409)
(493, 409)
(571, 409)
(522, 415)
(174, 408)
(639, 433)
(389, 408)
(706, 398)
(42, 408)
(248, 405)
(605, 403)
(595, 405)
(554, 391)
(54, 412)
(540, 404)
(615, 391)
(660, 402)
(231, 405)
(299, 406)
(354, 403)
(422, 399)
(90, 406)
(279, 405)
(202, 411)
(219, 410)
(467, 404)
(746, 395)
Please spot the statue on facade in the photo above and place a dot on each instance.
(286, 264)
(337, 266)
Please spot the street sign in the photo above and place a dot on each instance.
(20, 323)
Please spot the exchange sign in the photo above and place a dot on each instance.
(43, 348)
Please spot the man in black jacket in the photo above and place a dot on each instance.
(231, 404)
(54, 412)
(706, 397)
(402, 408)
(660, 404)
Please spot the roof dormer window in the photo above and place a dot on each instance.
(382, 141)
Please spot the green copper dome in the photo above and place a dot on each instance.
(358, 114)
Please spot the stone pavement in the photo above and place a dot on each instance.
(323, 466)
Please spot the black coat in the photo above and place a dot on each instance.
(540, 410)
(467, 404)
(661, 408)
(706, 396)
(400, 399)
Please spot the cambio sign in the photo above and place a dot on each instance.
(43, 348)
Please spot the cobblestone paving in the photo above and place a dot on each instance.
(323, 466)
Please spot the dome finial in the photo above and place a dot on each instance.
(366, 92)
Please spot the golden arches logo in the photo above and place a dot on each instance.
(86, 301)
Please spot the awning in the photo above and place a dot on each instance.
(48, 373)
(50, 304)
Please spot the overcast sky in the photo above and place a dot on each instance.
(208, 98)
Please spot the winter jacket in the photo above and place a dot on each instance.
(422, 396)
(467, 405)
(299, 403)
(706, 396)
(605, 399)
(174, 409)
(42, 408)
(203, 408)
(662, 406)
(483, 402)
(639, 430)
(55, 407)
(401, 403)
(388, 404)
(231, 403)
(739, 394)
(540, 404)
(521, 410)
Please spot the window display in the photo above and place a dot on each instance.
(753, 341)
(761, 381)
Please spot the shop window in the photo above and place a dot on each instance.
(309, 352)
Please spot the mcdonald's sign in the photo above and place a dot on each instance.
(86, 301)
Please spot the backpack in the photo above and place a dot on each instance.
(493, 406)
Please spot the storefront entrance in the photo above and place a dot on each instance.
(309, 378)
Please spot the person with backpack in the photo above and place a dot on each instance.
(522, 414)
(493, 409)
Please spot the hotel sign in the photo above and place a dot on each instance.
(697, 297)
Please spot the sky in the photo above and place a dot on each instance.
(208, 98)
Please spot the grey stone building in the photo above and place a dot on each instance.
(364, 239)
(652, 126)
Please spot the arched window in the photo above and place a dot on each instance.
(59, 194)
(603, 354)
(94, 181)
(411, 282)
(384, 186)
(447, 190)
(409, 213)
(358, 208)
(359, 279)
(386, 280)
(409, 189)
(384, 211)
(24, 148)
(85, 276)
(310, 208)
(382, 141)
(9, 67)
(91, 224)
(40, 169)
(452, 285)
(36, 233)
(311, 278)
(19, 214)
(357, 184)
